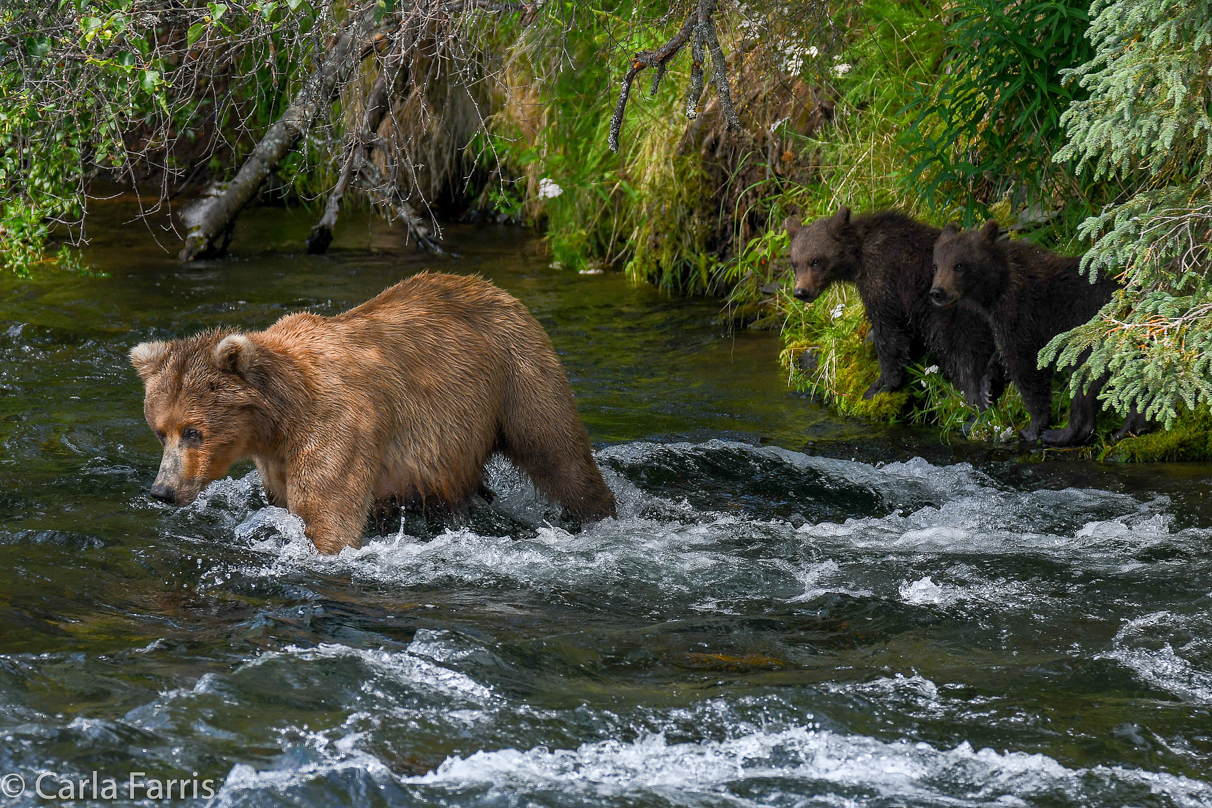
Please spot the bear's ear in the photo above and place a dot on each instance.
(236, 354)
(950, 231)
(841, 218)
(991, 230)
(793, 225)
(148, 358)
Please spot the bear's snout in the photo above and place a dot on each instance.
(805, 295)
(939, 296)
(164, 493)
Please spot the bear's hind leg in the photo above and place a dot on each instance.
(553, 450)
(1083, 418)
(1036, 389)
(1135, 424)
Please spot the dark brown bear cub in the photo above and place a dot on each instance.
(888, 256)
(1029, 295)
(401, 399)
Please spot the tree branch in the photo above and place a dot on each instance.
(358, 143)
(211, 218)
(700, 24)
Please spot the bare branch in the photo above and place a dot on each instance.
(700, 24)
(653, 58)
(359, 141)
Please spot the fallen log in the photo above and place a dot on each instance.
(210, 219)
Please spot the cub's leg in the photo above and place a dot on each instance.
(1036, 389)
(1135, 424)
(1083, 418)
(892, 348)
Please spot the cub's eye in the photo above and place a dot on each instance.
(191, 434)
(159, 436)
(934, 267)
(959, 268)
(816, 262)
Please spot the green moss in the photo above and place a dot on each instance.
(1189, 439)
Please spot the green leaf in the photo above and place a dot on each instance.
(38, 47)
(294, 4)
(126, 59)
(217, 10)
(150, 80)
(195, 33)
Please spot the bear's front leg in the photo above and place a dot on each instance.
(892, 350)
(332, 496)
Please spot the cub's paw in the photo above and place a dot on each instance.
(1060, 438)
(1135, 424)
(880, 385)
(1031, 434)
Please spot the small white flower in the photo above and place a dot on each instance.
(837, 311)
(931, 369)
(841, 70)
(548, 189)
(813, 51)
(774, 126)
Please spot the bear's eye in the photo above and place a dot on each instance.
(959, 268)
(159, 436)
(816, 262)
(191, 434)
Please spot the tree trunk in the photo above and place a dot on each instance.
(211, 218)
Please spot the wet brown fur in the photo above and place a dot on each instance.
(402, 399)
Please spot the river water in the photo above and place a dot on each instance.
(790, 610)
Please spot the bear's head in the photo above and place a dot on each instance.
(200, 401)
(968, 266)
(822, 252)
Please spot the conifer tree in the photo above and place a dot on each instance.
(1146, 124)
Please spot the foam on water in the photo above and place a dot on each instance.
(1011, 568)
(1145, 645)
(663, 552)
(776, 766)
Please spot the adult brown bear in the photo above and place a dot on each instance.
(888, 256)
(401, 399)
(1029, 295)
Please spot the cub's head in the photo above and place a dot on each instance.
(822, 252)
(968, 265)
(199, 403)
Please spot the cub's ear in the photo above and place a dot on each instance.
(949, 232)
(149, 357)
(236, 354)
(793, 225)
(841, 218)
(991, 230)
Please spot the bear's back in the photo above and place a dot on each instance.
(897, 253)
